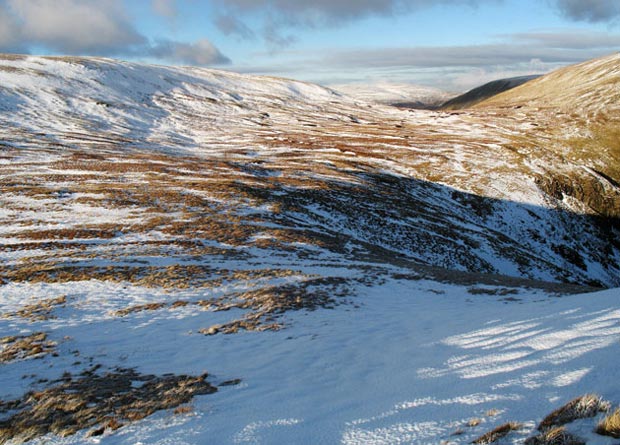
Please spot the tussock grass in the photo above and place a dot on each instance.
(588, 405)
(610, 425)
(555, 436)
(497, 433)
(183, 409)
(263, 304)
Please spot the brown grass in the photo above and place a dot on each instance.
(267, 303)
(263, 304)
(41, 310)
(139, 308)
(12, 57)
(555, 436)
(610, 425)
(497, 433)
(184, 409)
(21, 347)
(101, 402)
(588, 405)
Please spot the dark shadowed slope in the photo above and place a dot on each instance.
(486, 91)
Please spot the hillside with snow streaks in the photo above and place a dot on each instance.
(443, 190)
(190, 255)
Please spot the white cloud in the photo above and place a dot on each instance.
(231, 25)
(199, 53)
(75, 26)
(454, 68)
(93, 27)
(454, 56)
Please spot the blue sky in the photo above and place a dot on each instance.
(451, 44)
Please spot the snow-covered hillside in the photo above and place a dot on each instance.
(161, 146)
(198, 256)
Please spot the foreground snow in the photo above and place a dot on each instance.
(403, 362)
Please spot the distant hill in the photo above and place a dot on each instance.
(486, 91)
(400, 95)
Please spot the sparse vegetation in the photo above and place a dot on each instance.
(41, 310)
(555, 436)
(100, 402)
(497, 433)
(588, 405)
(610, 425)
(21, 347)
(194, 207)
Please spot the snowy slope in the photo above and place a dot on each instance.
(577, 115)
(370, 275)
(442, 190)
(406, 362)
(72, 98)
(588, 86)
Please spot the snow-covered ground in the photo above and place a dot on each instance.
(402, 362)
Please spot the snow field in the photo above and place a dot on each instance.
(406, 362)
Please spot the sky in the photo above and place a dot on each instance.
(450, 44)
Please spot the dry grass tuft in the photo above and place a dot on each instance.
(38, 311)
(183, 409)
(497, 433)
(96, 401)
(610, 425)
(21, 347)
(555, 436)
(473, 422)
(588, 405)
(139, 308)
